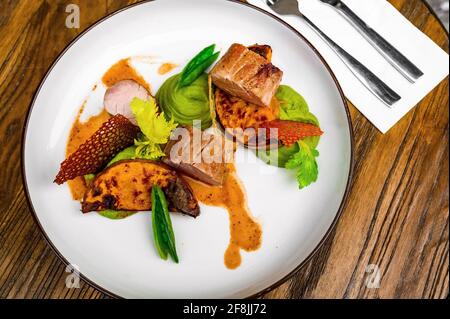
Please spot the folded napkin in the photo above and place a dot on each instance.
(396, 29)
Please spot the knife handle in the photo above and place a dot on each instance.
(362, 73)
(387, 50)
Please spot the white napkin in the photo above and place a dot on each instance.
(395, 28)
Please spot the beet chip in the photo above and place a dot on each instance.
(290, 132)
(113, 136)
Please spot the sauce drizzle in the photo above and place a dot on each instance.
(166, 68)
(122, 70)
(245, 232)
(79, 133)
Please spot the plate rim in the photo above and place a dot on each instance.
(262, 291)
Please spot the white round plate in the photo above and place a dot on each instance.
(118, 256)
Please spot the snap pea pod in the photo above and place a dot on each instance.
(198, 65)
(202, 55)
(163, 234)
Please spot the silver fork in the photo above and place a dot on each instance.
(387, 50)
(363, 74)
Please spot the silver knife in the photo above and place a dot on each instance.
(387, 50)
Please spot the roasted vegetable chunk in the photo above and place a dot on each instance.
(126, 185)
(237, 115)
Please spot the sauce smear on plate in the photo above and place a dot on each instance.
(166, 68)
(245, 232)
(122, 70)
(79, 133)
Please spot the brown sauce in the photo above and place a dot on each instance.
(122, 70)
(79, 133)
(245, 232)
(166, 68)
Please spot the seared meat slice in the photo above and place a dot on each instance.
(126, 185)
(246, 74)
(119, 96)
(198, 161)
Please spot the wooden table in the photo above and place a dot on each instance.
(396, 217)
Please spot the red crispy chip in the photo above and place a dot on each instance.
(290, 132)
(114, 135)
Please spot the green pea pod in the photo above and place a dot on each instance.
(201, 56)
(156, 225)
(197, 65)
(194, 73)
(163, 234)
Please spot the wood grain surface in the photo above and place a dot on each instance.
(396, 216)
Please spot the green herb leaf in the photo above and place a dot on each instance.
(163, 234)
(154, 126)
(198, 65)
(146, 149)
(304, 161)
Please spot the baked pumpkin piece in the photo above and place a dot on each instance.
(127, 185)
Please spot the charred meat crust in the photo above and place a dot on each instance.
(263, 50)
(105, 193)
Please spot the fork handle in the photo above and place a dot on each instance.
(370, 80)
(387, 50)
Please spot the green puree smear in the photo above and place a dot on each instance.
(301, 156)
(186, 104)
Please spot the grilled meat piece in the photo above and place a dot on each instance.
(246, 74)
(119, 96)
(126, 185)
(198, 161)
